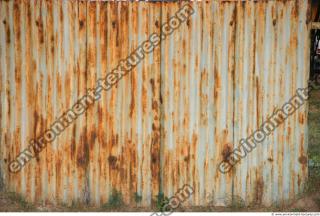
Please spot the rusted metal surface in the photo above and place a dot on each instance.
(272, 68)
(170, 121)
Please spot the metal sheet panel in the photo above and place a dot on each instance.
(197, 86)
(273, 53)
(173, 118)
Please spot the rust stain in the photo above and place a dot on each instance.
(259, 189)
(301, 118)
(8, 34)
(155, 105)
(113, 162)
(132, 104)
(81, 24)
(227, 150)
(299, 181)
(83, 151)
(274, 22)
(115, 140)
(186, 159)
(93, 139)
(303, 159)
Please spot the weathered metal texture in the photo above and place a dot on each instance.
(223, 74)
(50, 53)
(272, 48)
(197, 89)
(171, 120)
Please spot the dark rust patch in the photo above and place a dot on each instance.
(52, 50)
(16, 6)
(154, 127)
(186, 159)
(112, 161)
(227, 150)
(188, 22)
(132, 103)
(152, 85)
(73, 143)
(274, 22)
(82, 160)
(303, 159)
(161, 99)
(39, 24)
(154, 157)
(93, 138)
(83, 152)
(270, 159)
(81, 24)
(155, 160)
(259, 191)
(8, 35)
(114, 24)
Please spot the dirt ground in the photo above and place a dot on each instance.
(309, 201)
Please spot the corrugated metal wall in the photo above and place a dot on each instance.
(166, 124)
